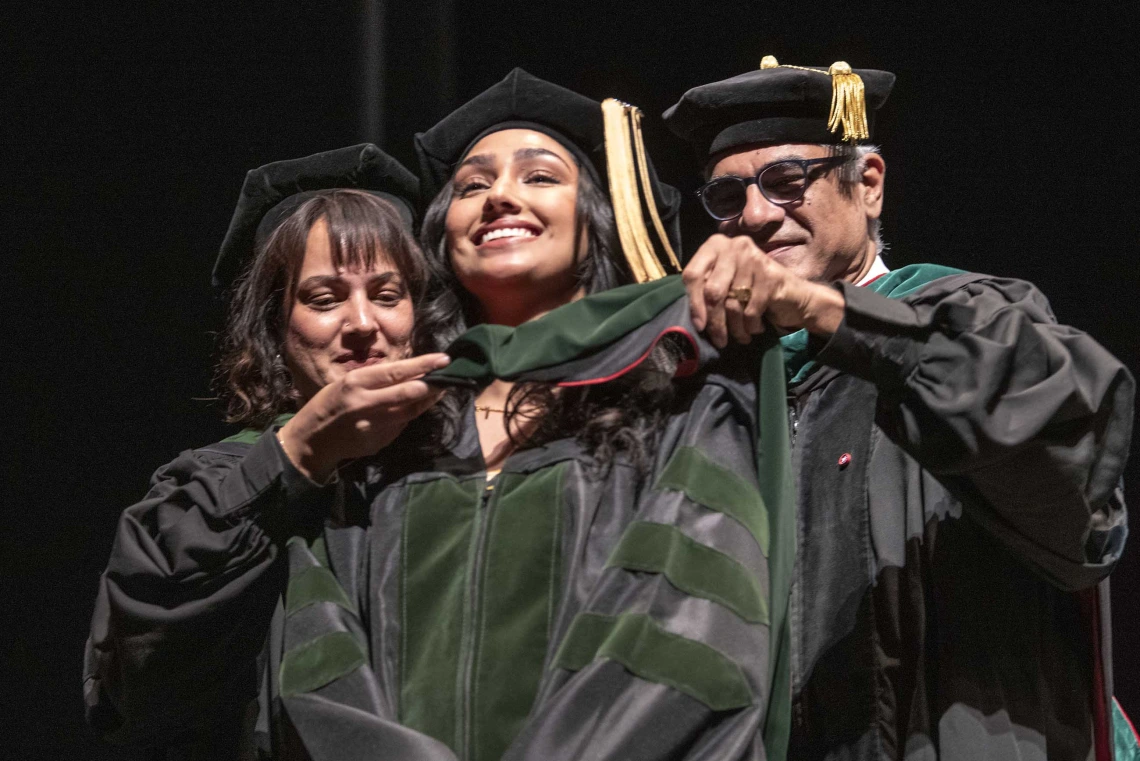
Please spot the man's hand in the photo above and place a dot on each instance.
(359, 414)
(787, 301)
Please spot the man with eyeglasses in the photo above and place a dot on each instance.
(957, 453)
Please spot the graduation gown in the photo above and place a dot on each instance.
(633, 617)
(564, 609)
(958, 457)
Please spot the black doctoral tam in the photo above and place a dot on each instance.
(781, 104)
(272, 192)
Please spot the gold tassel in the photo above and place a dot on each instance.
(632, 232)
(848, 98)
(647, 191)
(848, 103)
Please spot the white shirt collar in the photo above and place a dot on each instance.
(877, 269)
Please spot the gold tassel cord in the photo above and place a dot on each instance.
(848, 103)
(848, 98)
(649, 260)
(632, 232)
(647, 190)
(613, 119)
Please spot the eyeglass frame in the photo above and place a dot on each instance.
(805, 166)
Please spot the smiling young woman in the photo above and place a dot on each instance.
(512, 226)
(515, 601)
(571, 566)
(522, 223)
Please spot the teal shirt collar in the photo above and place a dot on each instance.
(799, 353)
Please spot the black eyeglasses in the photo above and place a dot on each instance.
(781, 182)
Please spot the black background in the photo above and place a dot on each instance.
(1009, 139)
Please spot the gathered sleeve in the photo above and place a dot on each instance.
(184, 606)
(1029, 418)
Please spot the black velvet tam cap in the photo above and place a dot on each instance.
(520, 101)
(781, 104)
(272, 192)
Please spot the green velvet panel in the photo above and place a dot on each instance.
(439, 523)
(319, 662)
(717, 488)
(640, 644)
(691, 567)
(777, 488)
(320, 550)
(313, 585)
(251, 435)
(487, 352)
(518, 596)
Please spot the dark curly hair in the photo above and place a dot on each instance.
(621, 417)
(251, 378)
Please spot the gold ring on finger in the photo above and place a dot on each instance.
(743, 295)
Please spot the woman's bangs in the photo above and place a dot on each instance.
(358, 224)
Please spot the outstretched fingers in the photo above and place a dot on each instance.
(398, 371)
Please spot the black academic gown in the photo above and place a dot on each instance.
(564, 609)
(956, 455)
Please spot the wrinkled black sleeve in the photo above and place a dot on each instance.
(184, 606)
(1030, 419)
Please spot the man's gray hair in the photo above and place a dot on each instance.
(849, 175)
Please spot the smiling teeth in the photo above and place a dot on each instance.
(507, 232)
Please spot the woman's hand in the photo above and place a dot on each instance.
(359, 414)
(723, 265)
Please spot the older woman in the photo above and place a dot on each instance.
(320, 335)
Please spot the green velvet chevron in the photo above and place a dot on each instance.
(333, 654)
(639, 643)
(690, 471)
(691, 567)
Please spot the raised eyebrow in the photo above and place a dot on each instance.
(317, 280)
(386, 277)
(789, 157)
(481, 160)
(532, 153)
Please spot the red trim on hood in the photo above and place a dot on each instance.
(685, 367)
(876, 277)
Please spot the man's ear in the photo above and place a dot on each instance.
(871, 184)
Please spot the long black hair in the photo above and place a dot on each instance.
(610, 419)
